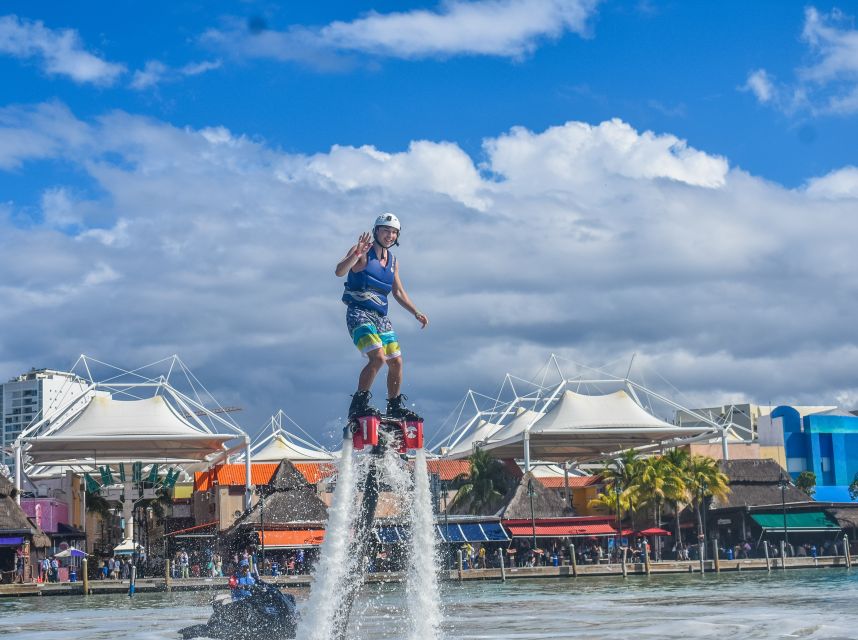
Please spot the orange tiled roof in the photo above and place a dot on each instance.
(449, 469)
(575, 482)
(315, 472)
(260, 473)
(233, 475)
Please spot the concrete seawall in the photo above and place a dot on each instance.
(510, 573)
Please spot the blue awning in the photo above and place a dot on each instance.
(11, 542)
(454, 532)
(472, 532)
(390, 534)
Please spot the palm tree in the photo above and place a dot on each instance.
(620, 477)
(486, 483)
(704, 479)
(607, 501)
(677, 459)
(658, 481)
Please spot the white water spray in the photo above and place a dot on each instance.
(330, 576)
(422, 588)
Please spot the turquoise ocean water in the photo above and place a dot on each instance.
(807, 604)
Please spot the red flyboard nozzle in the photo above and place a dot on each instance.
(413, 436)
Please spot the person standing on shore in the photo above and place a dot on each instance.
(372, 274)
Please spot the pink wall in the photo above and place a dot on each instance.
(49, 513)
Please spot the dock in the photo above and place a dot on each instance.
(298, 582)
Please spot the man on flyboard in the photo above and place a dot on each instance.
(373, 273)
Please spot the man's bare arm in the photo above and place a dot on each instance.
(402, 298)
(356, 255)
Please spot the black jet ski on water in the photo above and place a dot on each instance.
(267, 613)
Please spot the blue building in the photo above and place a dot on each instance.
(825, 443)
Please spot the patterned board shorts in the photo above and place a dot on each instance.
(371, 330)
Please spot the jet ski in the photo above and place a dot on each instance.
(267, 613)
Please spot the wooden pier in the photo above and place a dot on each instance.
(298, 582)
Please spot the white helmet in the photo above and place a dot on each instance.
(387, 220)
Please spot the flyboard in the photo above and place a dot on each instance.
(373, 433)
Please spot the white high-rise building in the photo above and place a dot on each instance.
(28, 398)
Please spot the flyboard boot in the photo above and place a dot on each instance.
(363, 422)
(408, 423)
(396, 410)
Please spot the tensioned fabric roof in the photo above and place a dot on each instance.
(483, 432)
(280, 448)
(108, 430)
(517, 425)
(585, 427)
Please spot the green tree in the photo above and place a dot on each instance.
(657, 482)
(97, 504)
(621, 475)
(853, 488)
(704, 479)
(678, 461)
(486, 483)
(806, 481)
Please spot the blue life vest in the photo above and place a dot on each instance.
(243, 588)
(369, 288)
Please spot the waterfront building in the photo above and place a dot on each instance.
(761, 501)
(824, 442)
(288, 515)
(21, 541)
(29, 397)
(219, 492)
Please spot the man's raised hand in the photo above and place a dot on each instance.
(364, 244)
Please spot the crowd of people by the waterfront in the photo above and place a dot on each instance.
(211, 564)
(520, 552)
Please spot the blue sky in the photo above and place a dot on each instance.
(725, 118)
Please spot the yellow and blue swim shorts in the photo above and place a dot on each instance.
(371, 330)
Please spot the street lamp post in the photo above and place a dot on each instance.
(446, 523)
(783, 483)
(532, 516)
(262, 528)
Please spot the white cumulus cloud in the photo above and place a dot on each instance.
(828, 84)
(589, 240)
(155, 72)
(503, 28)
(58, 51)
(841, 183)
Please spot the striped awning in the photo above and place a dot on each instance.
(472, 532)
(561, 530)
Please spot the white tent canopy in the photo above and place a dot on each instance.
(575, 419)
(480, 434)
(583, 427)
(278, 447)
(107, 430)
(276, 443)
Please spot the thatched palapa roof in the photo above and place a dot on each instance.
(755, 482)
(547, 503)
(289, 499)
(13, 518)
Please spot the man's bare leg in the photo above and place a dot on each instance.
(394, 377)
(371, 369)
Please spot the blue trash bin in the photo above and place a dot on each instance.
(72, 575)
(729, 554)
(555, 561)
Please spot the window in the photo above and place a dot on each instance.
(796, 465)
(825, 463)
